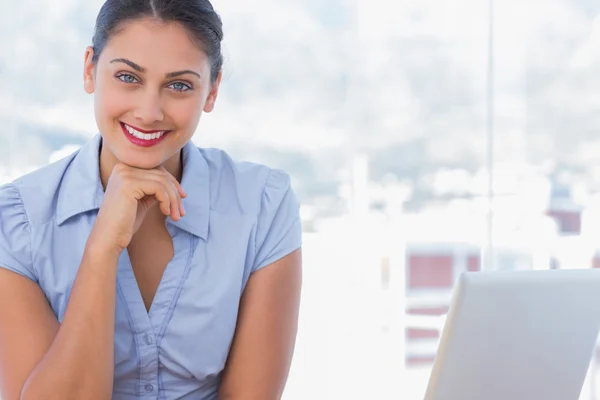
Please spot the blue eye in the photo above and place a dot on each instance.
(180, 87)
(127, 78)
(177, 86)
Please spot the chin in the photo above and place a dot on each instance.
(142, 161)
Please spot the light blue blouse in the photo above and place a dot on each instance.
(240, 217)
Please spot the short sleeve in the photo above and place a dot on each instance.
(279, 229)
(15, 243)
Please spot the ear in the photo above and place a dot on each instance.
(89, 71)
(212, 95)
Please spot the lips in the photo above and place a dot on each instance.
(143, 137)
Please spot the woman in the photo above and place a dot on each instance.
(142, 266)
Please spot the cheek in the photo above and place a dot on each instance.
(111, 101)
(184, 113)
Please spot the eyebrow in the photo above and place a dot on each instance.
(178, 73)
(142, 69)
(130, 63)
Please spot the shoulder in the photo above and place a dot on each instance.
(249, 186)
(15, 232)
(11, 203)
(36, 192)
(263, 193)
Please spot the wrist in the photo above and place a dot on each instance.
(99, 248)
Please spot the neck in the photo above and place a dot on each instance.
(108, 161)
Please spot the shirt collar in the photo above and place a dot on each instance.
(81, 189)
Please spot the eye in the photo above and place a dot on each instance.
(127, 78)
(180, 87)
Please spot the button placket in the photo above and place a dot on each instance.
(149, 362)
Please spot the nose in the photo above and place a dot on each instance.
(149, 109)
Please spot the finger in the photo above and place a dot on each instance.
(175, 199)
(177, 205)
(180, 189)
(158, 191)
(160, 175)
(159, 188)
(160, 171)
(182, 194)
(174, 188)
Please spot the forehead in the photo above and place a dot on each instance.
(155, 45)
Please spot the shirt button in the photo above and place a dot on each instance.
(148, 339)
(149, 388)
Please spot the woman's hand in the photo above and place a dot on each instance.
(130, 194)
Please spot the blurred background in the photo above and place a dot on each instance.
(425, 138)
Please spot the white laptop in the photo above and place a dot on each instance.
(519, 335)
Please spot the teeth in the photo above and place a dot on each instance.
(143, 136)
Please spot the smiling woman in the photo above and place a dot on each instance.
(141, 265)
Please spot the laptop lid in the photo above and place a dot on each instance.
(518, 335)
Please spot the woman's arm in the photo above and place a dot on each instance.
(262, 349)
(41, 359)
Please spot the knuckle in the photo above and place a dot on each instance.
(170, 188)
(120, 168)
(127, 180)
(157, 187)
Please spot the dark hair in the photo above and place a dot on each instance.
(197, 16)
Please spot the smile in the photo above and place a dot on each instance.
(142, 137)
